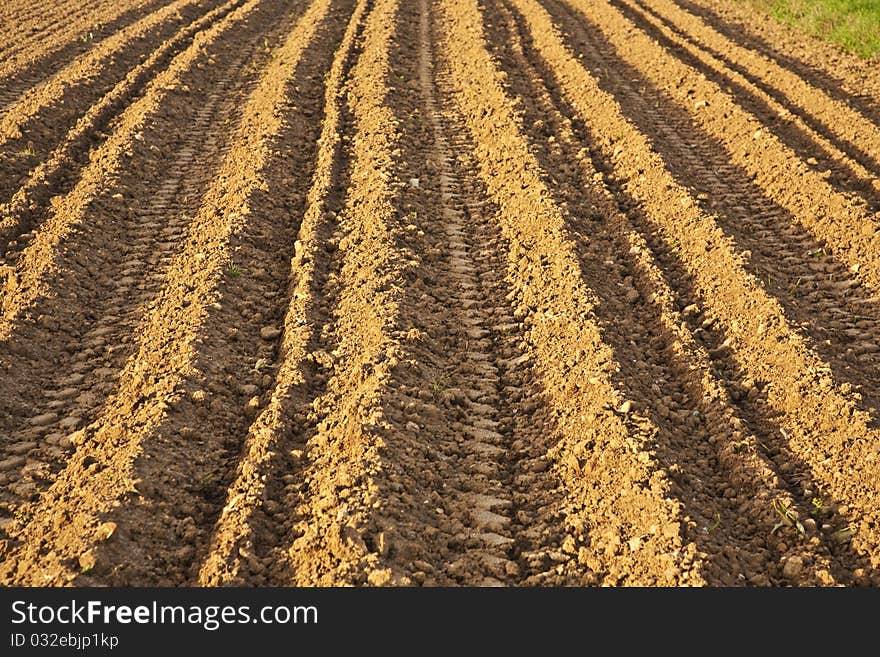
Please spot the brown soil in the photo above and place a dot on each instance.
(498, 293)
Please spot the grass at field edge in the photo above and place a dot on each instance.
(853, 24)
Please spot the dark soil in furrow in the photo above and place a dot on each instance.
(54, 159)
(468, 500)
(436, 293)
(62, 365)
(41, 132)
(253, 532)
(732, 531)
(816, 290)
(44, 54)
(793, 475)
(839, 173)
(824, 78)
(191, 457)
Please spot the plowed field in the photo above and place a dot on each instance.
(435, 292)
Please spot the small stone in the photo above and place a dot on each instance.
(199, 396)
(625, 407)
(76, 438)
(53, 438)
(759, 580)
(106, 530)
(249, 389)
(269, 332)
(70, 422)
(414, 182)
(569, 544)
(793, 567)
(190, 533)
(87, 561)
(380, 577)
(539, 465)
(424, 566)
(252, 407)
(67, 393)
(412, 427)
(632, 296)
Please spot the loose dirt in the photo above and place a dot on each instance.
(436, 293)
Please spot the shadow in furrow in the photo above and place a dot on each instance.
(817, 291)
(867, 105)
(190, 460)
(716, 501)
(842, 176)
(45, 65)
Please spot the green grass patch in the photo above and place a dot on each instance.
(854, 24)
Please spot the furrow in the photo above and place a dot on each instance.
(813, 142)
(10, 94)
(820, 296)
(450, 509)
(95, 259)
(38, 22)
(846, 77)
(70, 35)
(613, 490)
(344, 455)
(191, 457)
(103, 473)
(819, 419)
(35, 122)
(271, 458)
(37, 265)
(17, 10)
(465, 427)
(705, 441)
(856, 135)
(844, 224)
(16, 107)
(131, 275)
(49, 178)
